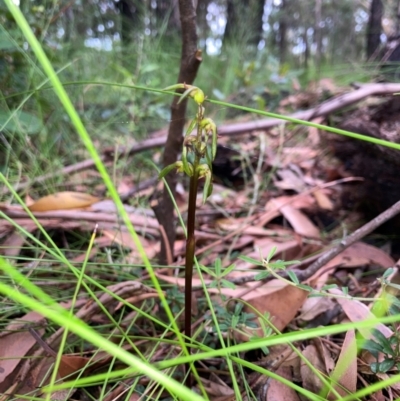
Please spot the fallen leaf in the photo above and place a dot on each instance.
(345, 372)
(13, 244)
(322, 200)
(310, 380)
(70, 365)
(15, 344)
(314, 306)
(282, 313)
(63, 201)
(301, 224)
(278, 391)
(356, 311)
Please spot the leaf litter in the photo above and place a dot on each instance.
(296, 212)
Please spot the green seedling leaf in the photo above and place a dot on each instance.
(190, 127)
(373, 347)
(235, 321)
(207, 270)
(385, 365)
(293, 277)
(383, 341)
(187, 166)
(214, 140)
(281, 264)
(227, 284)
(228, 269)
(168, 169)
(251, 260)
(174, 87)
(271, 254)
(328, 287)
(305, 287)
(261, 276)
(186, 94)
(388, 272)
(394, 285)
(374, 367)
(213, 284)
(204, 171)
(238, 308)
(218, 267)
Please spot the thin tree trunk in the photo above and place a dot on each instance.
(374, 28)
(190, 62)
(283, 33)
(318, 36)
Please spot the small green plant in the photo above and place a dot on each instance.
(236, 320)
(198, 153)
(218, 274)
(385, 350)
(389, 348)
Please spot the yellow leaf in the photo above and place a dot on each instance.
(62, 201)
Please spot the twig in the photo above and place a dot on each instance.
(303, 275)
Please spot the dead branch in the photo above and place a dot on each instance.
(305, 274)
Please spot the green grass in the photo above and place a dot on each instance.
(96, 115)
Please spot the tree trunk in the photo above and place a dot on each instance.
(167, 12)
(318, 36)
(190, 62)
(204, 28)
(257, 27)
(282, 32)
(231, 21)
(374, 29)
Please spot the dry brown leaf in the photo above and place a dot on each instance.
(70, 365)
(322, 200)
(230, 224)
(314, 306)
(345, 372)
(282, 313)
(215, 389)
(310, 380)
(290, 180)
(15, 344)
(357, 312)
(63, 201)
(356, 255)
(278, 391)
(301, 224)
(326, 354)
(13, 244)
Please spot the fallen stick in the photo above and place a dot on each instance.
(326, 257)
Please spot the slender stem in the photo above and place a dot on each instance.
(190, 251)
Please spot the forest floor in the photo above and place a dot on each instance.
(282, 197)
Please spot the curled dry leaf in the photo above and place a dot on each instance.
(63, 201)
